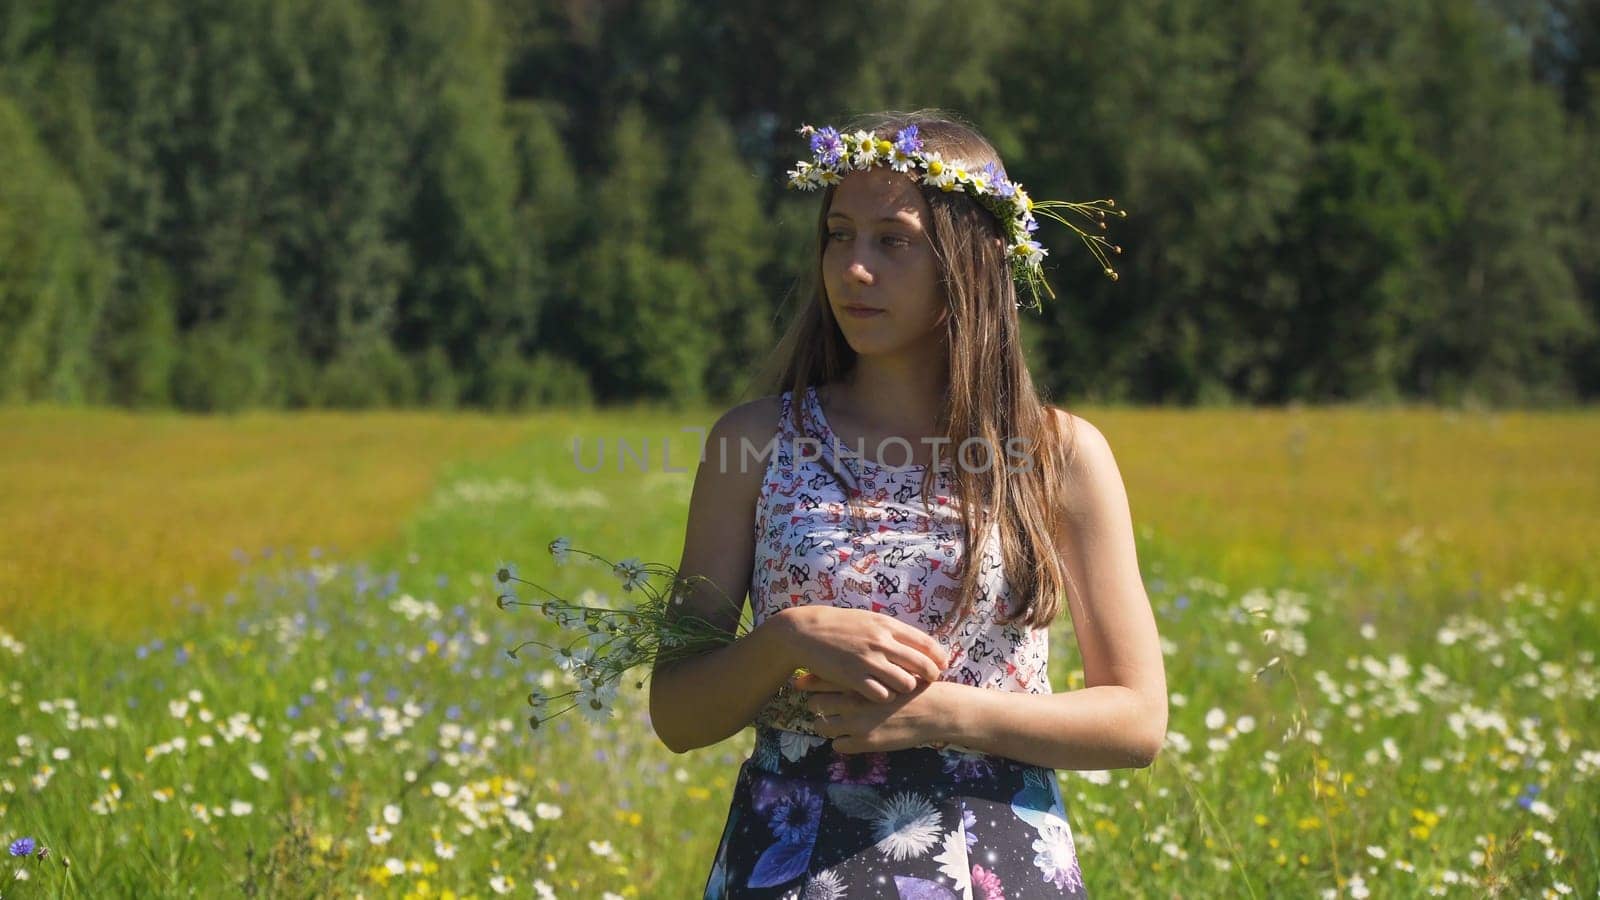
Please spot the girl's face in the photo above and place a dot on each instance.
(877, 255)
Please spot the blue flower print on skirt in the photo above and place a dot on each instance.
(809, 823)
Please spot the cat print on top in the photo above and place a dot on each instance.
(891, 554)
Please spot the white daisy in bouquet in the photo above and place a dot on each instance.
(597, 643)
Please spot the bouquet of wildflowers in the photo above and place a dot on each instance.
(599, 644)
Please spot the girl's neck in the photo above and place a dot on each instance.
(892, 399)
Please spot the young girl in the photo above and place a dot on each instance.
(915, 756)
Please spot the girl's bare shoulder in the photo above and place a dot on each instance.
(1092, 472)
(754, 419)
(744, 436)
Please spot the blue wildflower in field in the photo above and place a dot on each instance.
(1526, 798)
(23, 846)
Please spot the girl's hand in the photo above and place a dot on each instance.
(875, 655)
(857, 725)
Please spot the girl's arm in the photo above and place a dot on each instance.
(700, 701)
(1119, 719)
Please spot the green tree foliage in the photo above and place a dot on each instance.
(222, 204)
(1368, 205)
(723, 238)
(51, 279)
(643, 324)
(342, 160)
(467, 289)
(1507, 308)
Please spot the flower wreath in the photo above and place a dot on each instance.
(834, 154)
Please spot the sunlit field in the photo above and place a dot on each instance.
(116, 519)
(1380, 633)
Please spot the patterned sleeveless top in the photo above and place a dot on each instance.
(905, 562)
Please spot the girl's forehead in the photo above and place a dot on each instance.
(878, 193)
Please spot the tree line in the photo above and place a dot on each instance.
(221, 204)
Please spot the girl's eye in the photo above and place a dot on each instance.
(894, 240)
(838, 235)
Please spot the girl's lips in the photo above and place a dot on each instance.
(862, 312)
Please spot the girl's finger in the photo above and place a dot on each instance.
(816, 684)
(915, 663)
(874, 689)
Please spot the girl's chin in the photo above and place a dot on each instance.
(874, 347)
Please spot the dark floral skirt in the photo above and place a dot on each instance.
(809, 823)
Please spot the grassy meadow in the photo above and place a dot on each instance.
(261, 656)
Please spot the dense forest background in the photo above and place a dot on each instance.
(221, 204)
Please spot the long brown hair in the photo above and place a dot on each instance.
(990, 394)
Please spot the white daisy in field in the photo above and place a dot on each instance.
(259, 771)
(439, 789)
(391, 814)
(602, 849)
(240, 808)
(444, 850)
(953, 863)
(907, 826)
(544, 891)
(378, 835)
(520, 819)
(395, 866)
(501, 884)
(1216, 718)
(547, 810)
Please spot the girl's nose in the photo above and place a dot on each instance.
(858, 270)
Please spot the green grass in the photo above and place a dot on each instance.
(1373, 533)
